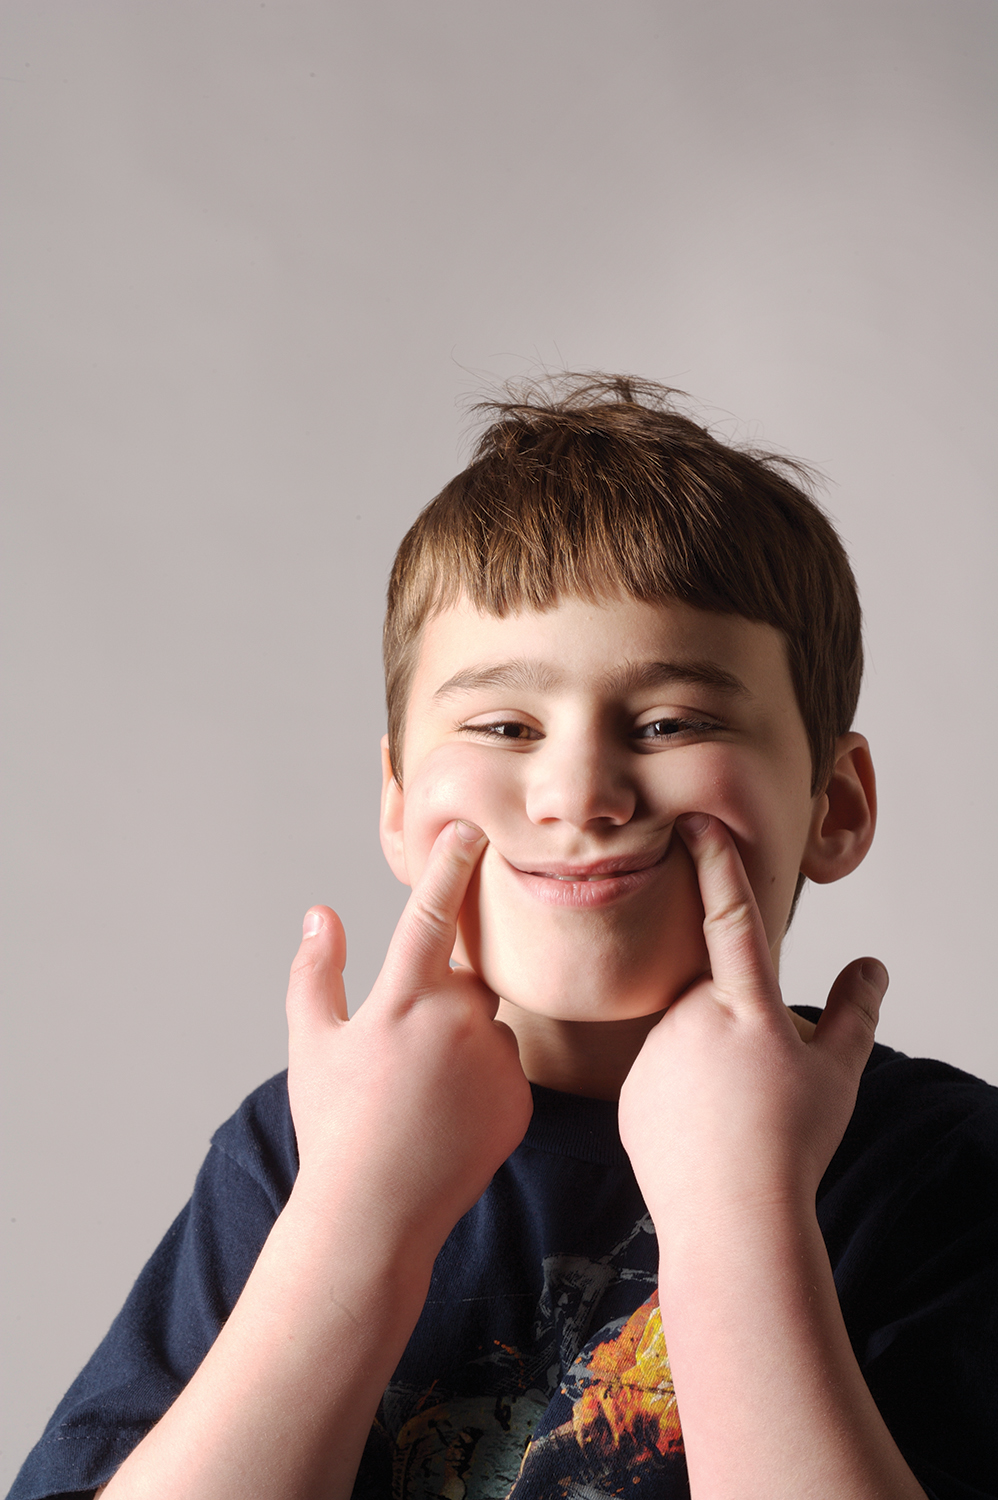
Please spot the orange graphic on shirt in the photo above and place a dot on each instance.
(631, 1397)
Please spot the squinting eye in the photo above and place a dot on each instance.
(505, 729)
(667, 729)
(660, 728)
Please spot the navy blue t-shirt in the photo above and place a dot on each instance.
(538, 1368)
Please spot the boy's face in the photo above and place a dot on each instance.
(575, 737)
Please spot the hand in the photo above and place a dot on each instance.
(404, 1112)
(727, 1106)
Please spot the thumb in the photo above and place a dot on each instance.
(852, 1010)
(315, 989)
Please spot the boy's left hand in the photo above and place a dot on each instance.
(727, 1107)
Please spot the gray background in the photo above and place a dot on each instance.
(257, 257)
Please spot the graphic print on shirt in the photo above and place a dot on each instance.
(613, 1423)
(562, 1417)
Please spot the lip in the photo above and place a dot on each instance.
(623, 864)
(588, 885)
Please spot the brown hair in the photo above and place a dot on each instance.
(591, 486)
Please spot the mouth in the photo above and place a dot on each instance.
(603, 869)
(595, 883)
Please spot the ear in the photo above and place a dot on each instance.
(392, 809)
(844, 815)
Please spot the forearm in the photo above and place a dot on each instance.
(283, 1402)
(772, 1402)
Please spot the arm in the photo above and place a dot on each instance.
(772, 1401)
(402, 1115)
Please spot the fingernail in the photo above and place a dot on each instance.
(874, 972)
(693, 822)
(311, 924)
(468, 831)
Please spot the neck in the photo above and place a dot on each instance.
(591, 1058)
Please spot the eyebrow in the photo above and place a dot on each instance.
(522, 674)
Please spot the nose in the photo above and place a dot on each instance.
(582, 784)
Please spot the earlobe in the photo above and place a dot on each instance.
(392, 809)
(844, 815)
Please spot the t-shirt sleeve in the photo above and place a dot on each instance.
(177, 1306)
(912, 1228)
(931, 1360)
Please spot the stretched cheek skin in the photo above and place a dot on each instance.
(769, 821)
(440, 792)
(771, 861)
(447, 787)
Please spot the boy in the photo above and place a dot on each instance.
(622, 662)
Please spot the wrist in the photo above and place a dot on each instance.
(360, 1240)
(737, 1234)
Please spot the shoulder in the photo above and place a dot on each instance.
(917, 1103)
(918, 1161)
(904, 1103)
(909, 1212)
(177, 1306)
(259, 1139)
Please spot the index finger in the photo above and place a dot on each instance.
(424, 939)
(740, 961)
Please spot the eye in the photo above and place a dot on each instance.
(659, 730)
(505, 730)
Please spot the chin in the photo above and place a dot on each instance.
(570, 1008)
(590, 991)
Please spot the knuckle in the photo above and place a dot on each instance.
(428, 911)
(304, 964)
(736, 914)
(867, 1015)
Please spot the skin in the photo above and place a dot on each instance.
(580, 761)
(404, 1111)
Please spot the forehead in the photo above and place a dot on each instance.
(608, 648)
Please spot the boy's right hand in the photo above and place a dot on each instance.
(403, 1114)
(405, 1111)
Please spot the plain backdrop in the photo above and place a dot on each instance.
(257, 260)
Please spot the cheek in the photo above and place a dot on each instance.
(769, 816)
(452, 782)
